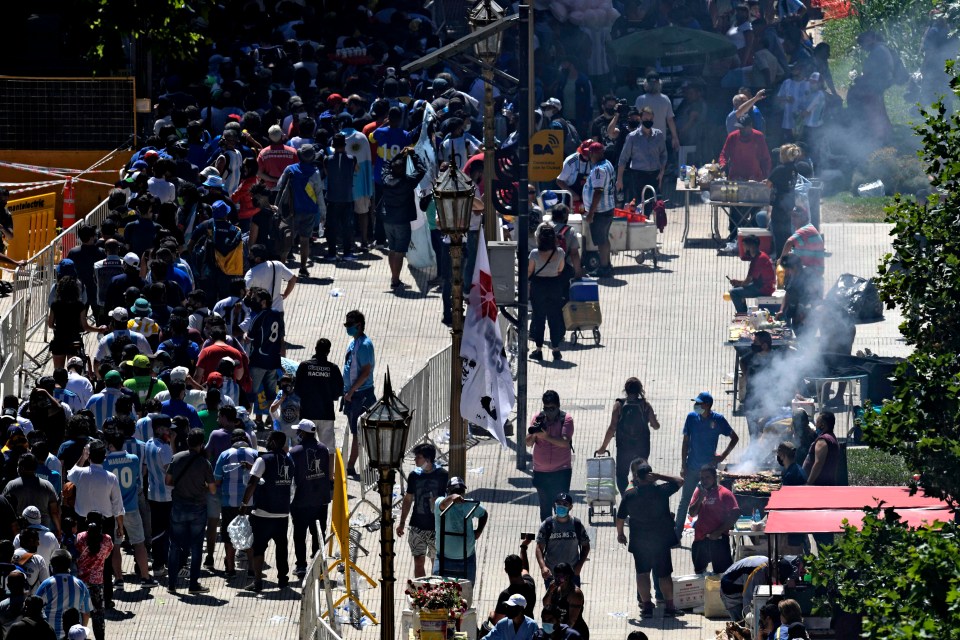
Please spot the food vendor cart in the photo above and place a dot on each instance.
(731, 196)
(740, 337)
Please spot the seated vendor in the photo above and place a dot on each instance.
(761, 278)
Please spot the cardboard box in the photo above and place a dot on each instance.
(688, 591)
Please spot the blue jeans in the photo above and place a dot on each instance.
(362, 400)
(738, 296)
(188, 523)
(548, 485)
(689, 484)
(457, 568)
(267, 378)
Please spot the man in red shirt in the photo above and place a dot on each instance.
(211, 355)
(274, 158)
(761, 278)
(745, 156)
(716, 511)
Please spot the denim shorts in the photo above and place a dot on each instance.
(398, 236)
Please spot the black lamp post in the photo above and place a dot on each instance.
(483, 14)
(454, 195)
(385, 429)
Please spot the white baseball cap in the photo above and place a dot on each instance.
(132, 259)
(179, 374)
(77, 632)
(120, 314)
(307, 426)
(517, 600)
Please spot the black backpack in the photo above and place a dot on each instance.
(181, 354)
(634, 424)
(117, 345)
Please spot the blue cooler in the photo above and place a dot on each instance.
(585, 290)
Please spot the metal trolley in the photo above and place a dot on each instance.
(601, 490)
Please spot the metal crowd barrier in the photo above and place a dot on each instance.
(34, 280)
(12, 345)
(313, 626)
(427, 392)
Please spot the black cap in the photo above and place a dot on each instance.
(563, 498)
(456, 482)
(238, 435)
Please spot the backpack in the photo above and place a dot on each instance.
(231, 262)
(181, 353)
(562, 237)
(571, 139)
(119, 342)
(633, 427)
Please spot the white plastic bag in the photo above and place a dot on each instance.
(241, 533)
(871, 189)
(420, 255)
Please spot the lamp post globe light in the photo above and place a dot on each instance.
(487, 49)
(385, 427)
(454, 194)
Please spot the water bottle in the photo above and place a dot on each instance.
(233, 466)
(756, 515)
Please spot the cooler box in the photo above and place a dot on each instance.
(584, 290)
(618, 235)
(641, 236)
(766, 239)
(581, 315)
(688, 591)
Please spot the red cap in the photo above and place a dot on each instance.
(335, 98)
(585, 146)
(151, 154)
(596, 147)
(215, 379)
(235, 117)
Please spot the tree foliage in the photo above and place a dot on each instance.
(905, 581)
(922, 278)
(901, 22)
(170, 29)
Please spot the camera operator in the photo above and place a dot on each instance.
(603, 128)
(551, 434)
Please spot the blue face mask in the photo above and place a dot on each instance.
(548, 627)
(353, 331)
(561, 511)
(699, 409)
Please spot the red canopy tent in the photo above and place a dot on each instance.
(806, 509)
(831, 520)
(853, 498)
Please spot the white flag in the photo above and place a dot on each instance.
(488, 395)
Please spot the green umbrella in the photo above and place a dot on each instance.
(671, 46)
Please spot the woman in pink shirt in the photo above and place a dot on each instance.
(551, 434)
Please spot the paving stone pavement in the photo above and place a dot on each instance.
(666, 327)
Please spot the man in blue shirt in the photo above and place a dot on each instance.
(516, 626)
(176, 406)
(457, 561)
(358, 393)
(340, 168)
(127, 467)
(701, 433)
(793, 474)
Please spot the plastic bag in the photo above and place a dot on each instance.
(858, 296)
(873, 189)
(420, 255)
(241, 533)
(801, 194)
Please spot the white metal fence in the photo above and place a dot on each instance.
(12, 346)
(314, 601)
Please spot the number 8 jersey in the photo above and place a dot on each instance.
(266, 339)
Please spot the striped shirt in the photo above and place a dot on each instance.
(808, 246)
(158, 456)
(68, 398)
(233, 482)
(104, 404)
(103, 347)
(231, 390)
(604, 177)
(126, 466)
(59, 593)
(137, 447)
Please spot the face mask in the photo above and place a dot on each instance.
(756, 348)
(780, 461)
(562, 512)
(353, 331)
(700, 410)
(548, 627)
(647, 124)
(632, 125)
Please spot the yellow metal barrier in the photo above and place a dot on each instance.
(34, 225)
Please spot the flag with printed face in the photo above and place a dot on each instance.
(488, 394)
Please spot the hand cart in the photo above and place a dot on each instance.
(601, 490)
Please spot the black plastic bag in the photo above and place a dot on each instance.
(858, 296)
